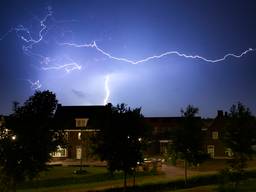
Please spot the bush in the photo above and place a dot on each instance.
(230, 179)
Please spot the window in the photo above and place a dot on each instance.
(215, 135)
(79, 135)
(60, 152)
(66, 135)
(229, 152)
(210, 150)
(78, 152)
(81, 122)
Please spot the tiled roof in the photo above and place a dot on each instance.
(65, 115)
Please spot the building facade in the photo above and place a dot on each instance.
(79, 123)
(211, 131)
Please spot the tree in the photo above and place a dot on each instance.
(240, 136)
(120, 144)
(31, 137)
(187, 140)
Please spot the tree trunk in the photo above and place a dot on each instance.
(134, 175)
(186, 171)
(125, 178)
(81, 164)
(13, 185)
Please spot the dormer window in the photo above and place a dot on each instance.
(215, 135)
(81, 122)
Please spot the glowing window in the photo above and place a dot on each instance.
(60, 152)
(81, 122)
(79, 135)
(215, 135)
(229, 152)
(211, 150)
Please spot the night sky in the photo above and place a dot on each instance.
(92, 52)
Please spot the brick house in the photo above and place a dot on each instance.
(79, 124)
(1, 120)
(212, 134)
(161, 133)
(211, 130)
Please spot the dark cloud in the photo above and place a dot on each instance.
(79, 94)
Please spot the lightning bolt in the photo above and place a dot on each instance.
(67, 67)
(94, 45)
(34, 85)
(6, 34)
(107, 90)
(25, 35)
(22, 32)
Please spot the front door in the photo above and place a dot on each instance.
(78, 152)
(210, 150)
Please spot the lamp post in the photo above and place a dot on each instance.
(82, 142)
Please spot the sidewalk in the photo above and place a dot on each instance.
(72, 162)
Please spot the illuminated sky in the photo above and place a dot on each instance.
(89, 52)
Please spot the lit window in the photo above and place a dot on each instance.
(14, 137)
(229, 152)
(82, 122)
(210, 150)
(60, 152)
(66, 135)
(215, 135)
(79, 135)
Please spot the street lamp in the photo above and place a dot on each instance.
(83, 127)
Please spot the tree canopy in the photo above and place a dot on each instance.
(240, 135)
(120, 144)
(31, 137)
(187, 140)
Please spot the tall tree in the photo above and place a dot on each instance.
(120, 144)
(187, 140)
(240, 136)
(30, 138)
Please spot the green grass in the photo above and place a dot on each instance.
(246, 186)
(63, 179)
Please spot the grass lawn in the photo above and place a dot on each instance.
(212, 165)
(246, 186)
(210, 188)
(63, 179)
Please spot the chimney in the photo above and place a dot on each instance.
(219, 113)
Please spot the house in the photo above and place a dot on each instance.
(3, 130)
(1, 121)
(161, 133)
(212, 136)
(211, 131)
(79, 124)
(82, 122)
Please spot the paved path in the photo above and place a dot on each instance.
(172, 171)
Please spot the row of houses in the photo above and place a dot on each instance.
(211, 131)
(81, 122)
